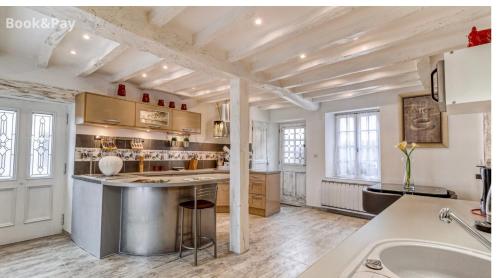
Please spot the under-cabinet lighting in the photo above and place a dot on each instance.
(72, 52)
(144, 75)
(86, 36)
(258, 21)
(302, 56)
(165, 67)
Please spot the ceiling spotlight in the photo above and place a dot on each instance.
(258, 21)
(86, 36)
(165, 67)
(144, 75)
(72, 52)
(303, 56)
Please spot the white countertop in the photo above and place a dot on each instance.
(128, 180)
(411, 217)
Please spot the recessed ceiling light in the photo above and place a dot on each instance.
(303, 56)
(144, 75)
(86, 36)
(72, 52)
(258, 21)
(165, 67)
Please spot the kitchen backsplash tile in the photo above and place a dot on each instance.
(158, 155)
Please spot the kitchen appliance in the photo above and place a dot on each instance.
(486, 181)
(438, 85)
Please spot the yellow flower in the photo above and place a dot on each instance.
(402, 145)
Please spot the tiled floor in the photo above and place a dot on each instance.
(283, 245)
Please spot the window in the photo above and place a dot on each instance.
(41, 145)
(293, 144)
(357, 147)
(7, 143)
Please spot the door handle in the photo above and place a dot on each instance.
(112, 121)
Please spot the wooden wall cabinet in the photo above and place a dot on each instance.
(263, 195)
(186, 121)
(99, 109)
(93, 108)
(153, 117)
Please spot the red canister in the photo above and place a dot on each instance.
(161, 102)
(184, 106)
(171, 104)
(145, 97)
(121, 90)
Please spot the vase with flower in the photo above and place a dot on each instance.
(407, 150)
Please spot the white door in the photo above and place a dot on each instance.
(33, 148)
(260, 159)
(293, 163)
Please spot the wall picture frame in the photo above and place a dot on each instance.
(422, 122)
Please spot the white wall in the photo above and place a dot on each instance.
(452, 167)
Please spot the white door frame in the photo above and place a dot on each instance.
(299, 199)
(37, 202)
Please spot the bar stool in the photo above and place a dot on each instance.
(205, 197)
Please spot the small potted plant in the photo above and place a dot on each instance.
(186, 142)
(174, 141)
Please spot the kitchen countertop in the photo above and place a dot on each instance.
(411, 217)
(128, 180)
(98, 178)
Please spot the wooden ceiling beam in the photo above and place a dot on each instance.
(338, 32)
(169, 77)
(364, 76)
(111, 52)
(124, 26)
(430, 44)
(402, 78)
(425, 21)
(397, 89)
(193, 87)
(143, 66)
(50, 44)
(289, 30)
(223, 24)
(160, 16)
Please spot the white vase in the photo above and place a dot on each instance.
(110, 165)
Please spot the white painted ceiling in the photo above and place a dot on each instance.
(349, 51)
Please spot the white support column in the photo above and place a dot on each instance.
(239, 235)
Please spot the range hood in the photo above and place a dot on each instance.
(221, 126)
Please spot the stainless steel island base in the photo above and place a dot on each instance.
(150, 220)
(140, 220)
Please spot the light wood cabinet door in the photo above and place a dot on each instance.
(152, 117)
(110, 111)
(223, 194)
(258, 187)
(185, 121)
(256, 201)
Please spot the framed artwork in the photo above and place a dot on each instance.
(422, 122)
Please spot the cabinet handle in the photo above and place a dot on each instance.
(111, 121)
(154, 126)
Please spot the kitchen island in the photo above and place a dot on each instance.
(134, 213)
(411, 217)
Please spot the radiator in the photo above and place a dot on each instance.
(344, 195)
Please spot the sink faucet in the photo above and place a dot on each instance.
(447, 216)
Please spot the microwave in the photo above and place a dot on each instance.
(438, 92)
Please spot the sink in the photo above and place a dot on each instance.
(419, 259)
